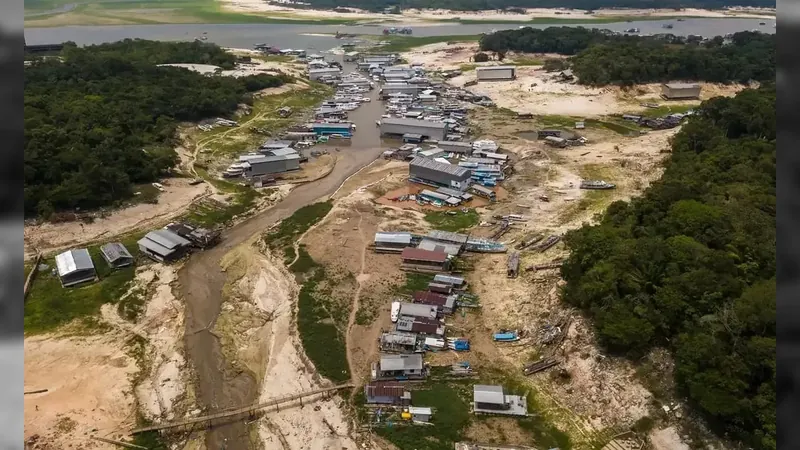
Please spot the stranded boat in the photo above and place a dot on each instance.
(395, 311)
(599, 184)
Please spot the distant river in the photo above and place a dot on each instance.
(297, 36)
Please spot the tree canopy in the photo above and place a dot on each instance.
(104, 117)
(690, 265)
(601, 58)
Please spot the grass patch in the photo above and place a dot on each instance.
(298, 223)
(397, 43)
(467, 67)
(664, 110)
(459, 221)
(132, 305)
(263, 116)
(322, 341)
(209, 215)
(450, 419)
(275, 58)
(49, 305)
(304, 263)
(527, 61)
(147, 193)
(414, 282)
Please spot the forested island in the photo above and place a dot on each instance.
(600, 58)
(478, 5)
(690, 266)
(102, 118)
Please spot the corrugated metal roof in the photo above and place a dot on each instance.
(401, 362)
(114, 251)
(399, 337)
(482, 189)
(166, 238)
(682, 85)
(416, 254)
(283, 151)
(418, 310)
(412, 122)
(429, 298)
(448, 236)
(490, 68)
(483, 393)
(384, 389)
(448, 279)
(436, 195)
(73, 260)
(393, 238)
(431, 245)
(325, 70)
(439, 167)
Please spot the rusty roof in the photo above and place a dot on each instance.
(384, 389)
(430, 298)
(417, 254)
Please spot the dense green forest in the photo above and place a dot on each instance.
(104, 118)
(690, 266)
(601, 58)
(475, 5)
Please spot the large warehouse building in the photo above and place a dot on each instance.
(429, 130)
(433, 172)
(265, 165)
(490, 73)
(680, 91)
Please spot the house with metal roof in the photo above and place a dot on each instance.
(419, 310)
(75, 267)
(400, 126)
(163, 245)
(420, 260)
(491, 399)
(316, 74)
(673, 91)
(116, 255)
(420, 325)
(436, 246)
(399, 367)
(420, 413)
(387, 393)
(430, 172)
(444, 303)
(392, 242)
(488, 73)
(265, 165)
(456, 282)
(399, 342)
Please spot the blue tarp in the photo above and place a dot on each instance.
(505, 336)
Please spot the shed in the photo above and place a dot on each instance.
(448, 236)
(464, 148)
(75, 267)
(420, 325)
(674, 91)
(440, 288)
(392, 242)
(412, 138)
(414, 258)
(456, 282)
(438, 246)
(490, 73)
(265, 165)
(490, 399)
(400, 366)
(116, 255)
(420, 414)
(163, 245)
(316, 74)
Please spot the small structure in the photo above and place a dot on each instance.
(412, 138)
(483, 191)
(490, 399)
(387, 393)
(326, 129)
(420, 414)
(317, 74)
(513, 265)
(265, 165)
(580, 125)
(555, 141)
(399, 367)
(75, 267)
(491, 73)
(462, 148)
(680, 91)
(425, 260)
(163, 245)
(398, 342)
(440, 288)
(387, 242)
(116, 255)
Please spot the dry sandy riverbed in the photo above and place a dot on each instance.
(89, 378)
(421, 16)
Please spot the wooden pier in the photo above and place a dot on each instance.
(251, 410)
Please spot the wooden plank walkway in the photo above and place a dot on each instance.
(238, 411)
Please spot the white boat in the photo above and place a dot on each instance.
(395, 311)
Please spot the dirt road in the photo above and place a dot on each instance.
(201, 282)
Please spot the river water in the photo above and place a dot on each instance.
(307, 36)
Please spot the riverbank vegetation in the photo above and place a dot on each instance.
(600, 59)
(104, 118)
(690, 266)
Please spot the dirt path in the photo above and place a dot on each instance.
(360, 279)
